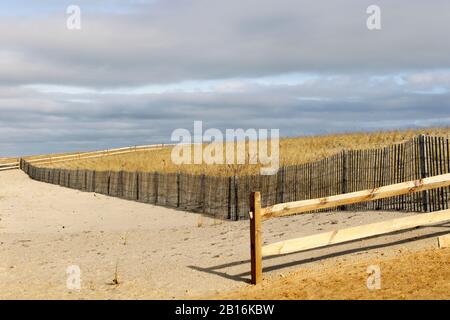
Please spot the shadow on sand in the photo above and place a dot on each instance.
(245, 276)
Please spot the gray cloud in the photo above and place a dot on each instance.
(173, 41)
(356, 79)
(60, 121)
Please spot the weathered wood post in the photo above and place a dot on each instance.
(344, 176)
(178, 190)
(255, 237)
(423, 148)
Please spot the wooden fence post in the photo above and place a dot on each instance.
(178, 190)
(344, 175)
(203, 192)
(156, 181)
(120, 187)
(236, 198)
(137, 186)
(255, 237)
(283, 181)
(230, 189)
(423, 169)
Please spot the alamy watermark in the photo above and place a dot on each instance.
(374, 20)
(374, 279)
(240, 146)
(73, 281)
(74, 19)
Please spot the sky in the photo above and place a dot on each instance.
(138, 70)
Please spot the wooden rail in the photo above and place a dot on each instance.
(91, 156)
(109, 152)
(338, 236)
(4, 167)
(82, 156)
(296, 207)
(354, 233)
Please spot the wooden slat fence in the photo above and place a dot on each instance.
(227, 197)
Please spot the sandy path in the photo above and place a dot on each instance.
(159, 252)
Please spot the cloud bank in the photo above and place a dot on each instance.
(137, 70)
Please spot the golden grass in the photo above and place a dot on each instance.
(292, 151)
(7, 160)
(420, 275)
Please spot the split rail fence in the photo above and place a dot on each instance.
(257, 214)
(227, 197)
(9, 166)
(80, 156)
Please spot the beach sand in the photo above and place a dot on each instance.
(156, 252)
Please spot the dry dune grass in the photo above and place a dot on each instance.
(7, 160)
(292, 151)
(419, 275)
